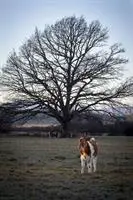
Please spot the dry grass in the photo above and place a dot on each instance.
(33, 168)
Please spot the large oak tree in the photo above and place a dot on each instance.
(67, 68)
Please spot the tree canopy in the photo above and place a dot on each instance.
(67, 68)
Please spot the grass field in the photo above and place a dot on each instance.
(36, 168)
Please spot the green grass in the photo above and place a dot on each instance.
(35, 168)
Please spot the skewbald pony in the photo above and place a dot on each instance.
(88, 153)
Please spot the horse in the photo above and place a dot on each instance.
(88, 154)
(53, 134)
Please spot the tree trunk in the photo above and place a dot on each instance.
(65, 129)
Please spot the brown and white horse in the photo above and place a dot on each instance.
(88, 154)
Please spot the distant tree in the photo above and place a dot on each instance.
(128, 130)
(67, 68)
(7, 114)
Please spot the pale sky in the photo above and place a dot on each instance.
(18, 19)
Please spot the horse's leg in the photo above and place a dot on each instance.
(94, 160)
(89, 164)
(82, 164)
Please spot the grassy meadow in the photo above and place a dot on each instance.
(37, 168)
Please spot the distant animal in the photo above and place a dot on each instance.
(88, 154)
(53, 134)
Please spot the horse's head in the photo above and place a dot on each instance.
(82, 141)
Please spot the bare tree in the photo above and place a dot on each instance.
(68, 67)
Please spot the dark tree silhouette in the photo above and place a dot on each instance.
(7, 116)
(68, 68)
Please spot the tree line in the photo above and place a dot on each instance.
(85, 123)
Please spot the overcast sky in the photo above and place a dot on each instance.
(18, 19)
